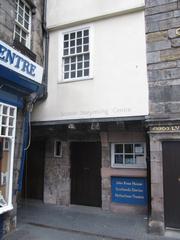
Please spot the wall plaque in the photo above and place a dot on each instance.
(129, 190)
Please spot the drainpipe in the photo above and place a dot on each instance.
(46, 53)
(148, 172)
(30, 101)
(25, 143)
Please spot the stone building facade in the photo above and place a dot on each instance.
(91, 128)
(163, 63)
(67, 123)
(158, 129)
(19, 94)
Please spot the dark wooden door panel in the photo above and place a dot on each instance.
(85, 173)
(34, 171)
(171, 171)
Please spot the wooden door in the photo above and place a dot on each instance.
(33, 185)
(171, 170)
(85, 173)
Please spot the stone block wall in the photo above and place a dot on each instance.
(156, 223)
(163, 57)
(106, 163)
(163, 64)
(7, 16)
(57, 175)
(37, 31)
(7, 19)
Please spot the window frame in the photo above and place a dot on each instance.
(61, 56)
(142, 165)
(9, 205)
(21, 26)
(55, 145)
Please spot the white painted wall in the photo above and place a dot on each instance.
(119, 85)
(62, 12)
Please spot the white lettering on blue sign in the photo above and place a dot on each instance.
(129, 190)
(19, 63)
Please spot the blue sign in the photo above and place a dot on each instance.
(17, 62)
(129, 190)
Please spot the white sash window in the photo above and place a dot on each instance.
(128, 155)
(22, 30)
(76, 54)
(7, 139)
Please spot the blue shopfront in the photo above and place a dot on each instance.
(20, 86)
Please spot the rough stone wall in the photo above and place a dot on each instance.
(57, 182)
(7, 19)
(57, 175)
(106, 163)
(163, 57)
(163, 63)
(156, 223)
(7, 16)
(37, 31)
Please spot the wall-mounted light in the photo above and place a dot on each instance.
(95, 126)
(71, 126)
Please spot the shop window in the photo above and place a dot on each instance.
(7, 137)
(57, 148)
(128, 155)
(22, 28)
(76, 54)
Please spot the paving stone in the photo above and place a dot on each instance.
(44, 222)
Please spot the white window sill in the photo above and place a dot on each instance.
(6, 208)
(129, 166)
(75, 80)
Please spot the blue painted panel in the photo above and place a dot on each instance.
(18, 81)
(11, 99)
(129, 190)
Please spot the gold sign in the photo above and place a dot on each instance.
(166, 128)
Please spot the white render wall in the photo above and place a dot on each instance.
(62, 12)
(119, 84)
